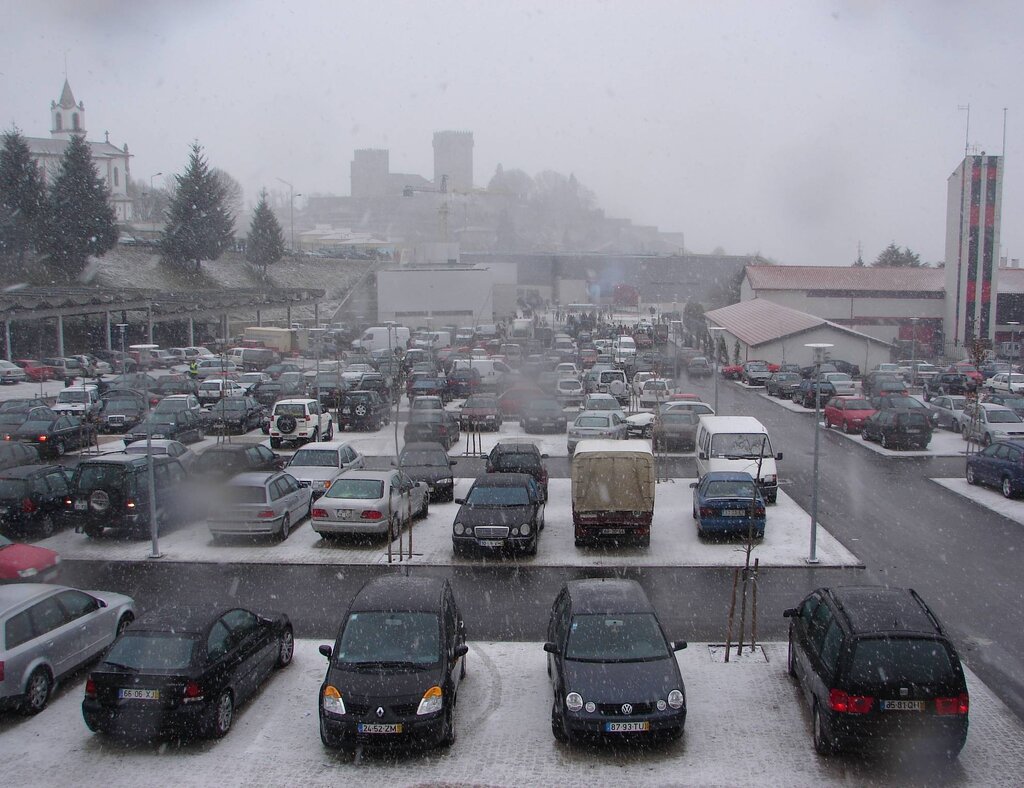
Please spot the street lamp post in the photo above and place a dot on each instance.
(913, 351)
(154, 526)
(291, 212)
(819, 349)
(714, 352)
(150, 206)
(1014, 349)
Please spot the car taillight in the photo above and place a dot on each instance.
(320, 514)
(959, 704)
(28, 505)
(192, 692)
(1, 670)
(129, 504)
(266, 514)
(707, 511)
(371, 515)
(67, 502)
(90, 688)
(843, 702)
(42, 439)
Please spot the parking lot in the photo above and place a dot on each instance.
(746, 725)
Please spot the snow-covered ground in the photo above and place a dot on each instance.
(674, 540)
(944, 443)
(747, 724)
(989, 497)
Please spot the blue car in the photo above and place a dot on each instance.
(999, 465)
(728, 503)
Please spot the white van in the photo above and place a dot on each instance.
(738, 443)
(383, 337)
(623, 350)
(491, 371)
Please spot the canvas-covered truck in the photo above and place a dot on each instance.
(613, 485)
(284, 340)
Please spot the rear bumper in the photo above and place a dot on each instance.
(137, 720)
(874, 731)
(245, 527)
(611, 526)
(350, 526)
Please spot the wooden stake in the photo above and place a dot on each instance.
(732, 611)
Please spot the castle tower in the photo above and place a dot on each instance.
(453, 161)
(67, 117)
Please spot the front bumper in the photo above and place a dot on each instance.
(585, 725)
(508, 544)
(343, 731)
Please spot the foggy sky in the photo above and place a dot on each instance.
(793, 129)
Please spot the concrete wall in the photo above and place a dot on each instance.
(410, 295)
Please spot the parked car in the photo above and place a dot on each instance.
(591, 424)
(782, 384)
(11, 373)
(903, 402)
(676, 428)
(370, 502)
(32, 499)
(569, 392)
(14, 454)
(514, 456)
(985, 423)
(54, 435)
(876, 666)
(1006, 382)
(65, 369)
(898, 428)
(430, 463)
(432, 426)
(655, 391)
(221, 462)
(20, 562)
(183, 426)
(948, 410)
(463, 382)
(847, 413)
(883, 381)
(999, 465)
(50, 631)
(214, 390)
(410, 631)
(1014, 403)
(318, 465)
(728, 503)
(112, 492)
(34, 370)
(80, 401)
(169, 385)
(161, 447)
(480, 412)
(602, 403)
(363, 410)
(503, 512)
(184, 671)
(698, 367)
(19, 413)
(842, 383)
(260, 503)
(512, 400)
(276, 370)
(608, 627)
(299, 419)
(121, 410)
(968, 369)
(543, 415)
(755, 373)
(237, 414)
(809, 390)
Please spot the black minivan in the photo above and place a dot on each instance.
(878, 670)
(394, 670)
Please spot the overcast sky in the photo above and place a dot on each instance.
(793, 129)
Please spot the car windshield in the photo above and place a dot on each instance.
(72, 396)
(486, 495)
(741, 445)
(357, 489)
(413, 458)
(1002, 417)
(889, 661)
(405, 639)
(230, 405)
(617, 637)
(679, 416)
(246, 493)
(319, 458)
(857, 404)
(592, 421)
(483, 403)
(144, 651)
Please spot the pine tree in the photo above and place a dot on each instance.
(79, 218)
(266, 240)
(22, 200)
(199, 224)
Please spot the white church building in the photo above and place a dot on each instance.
(67, 118)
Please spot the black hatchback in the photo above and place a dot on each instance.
(183, 672)
(32, 499)
(878, 670)
(612, 669)
(394, 670)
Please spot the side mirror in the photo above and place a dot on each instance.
(452, 462)
(460, 501)
(327, 651)
(461, 650)
(693, 485)
(790, 612)
(543, 456)
(702, 456)
(678, 645)
(778, 456)
(551, 648)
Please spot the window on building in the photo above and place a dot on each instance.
(57, 124)
(74, 121)
(117, 181)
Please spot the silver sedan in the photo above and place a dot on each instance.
(370, 502)
(260, 503)
(165, 448)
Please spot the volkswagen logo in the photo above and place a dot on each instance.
(380, 711)
(627, 708)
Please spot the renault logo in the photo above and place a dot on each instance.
(627, 708)
(380, 711)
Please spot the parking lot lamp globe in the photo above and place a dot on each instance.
(819, 349)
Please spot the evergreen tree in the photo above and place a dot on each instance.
(266, 240)
(79, 219)
(199, 224)
(894, 257)
(22, 200)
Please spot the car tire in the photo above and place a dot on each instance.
(970, 475)
(963, 432)
(220, 715)
(558, 726)
(884, 441)
(790, 659)
(275, 443)
(822, 744)
(123, 623)
(60, 448)
(448, 737)
(286, 527)
(93, 531)
(1007, 488)
(47, 527)
(394, 529)
(987, 440)
(37, 692)
(285, 648)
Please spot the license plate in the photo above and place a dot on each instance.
(138, 694)
(613, 531)
(733, 512)
(345, 514)
(492, 543)
(626, 727)
(81, 506)
(376, 727)
(912, 431)
(902, 705)
(346, 410)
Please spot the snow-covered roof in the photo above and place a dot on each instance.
(851, 278)
(759, 321)
(47, 146)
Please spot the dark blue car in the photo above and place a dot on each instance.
(728, 503)
(999, 465)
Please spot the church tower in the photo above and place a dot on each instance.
(67, 117)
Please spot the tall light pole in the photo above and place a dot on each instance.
(291, 211)
(819, 349)
(1014, 350)
(154, 525)
(714, 353)
(913, 351)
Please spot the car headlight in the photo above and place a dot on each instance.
(676, 699)
(591, 707)
(432, 701)
(459, 529)
(331, 700)
(574, 701)
(28, 572)
(661, 704)
(524, 529)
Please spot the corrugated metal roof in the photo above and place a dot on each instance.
(758, 321)
(825, 277)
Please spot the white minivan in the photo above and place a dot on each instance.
(738, 443)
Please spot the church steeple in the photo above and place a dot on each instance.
(68, 117)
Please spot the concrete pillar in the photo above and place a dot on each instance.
(316, 314)
(149, 324)
(106, 318)
(60, 335)
(7, 339)
(259, 318)
(191, 332)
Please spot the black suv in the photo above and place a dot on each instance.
(113, 492)
(948, 383)
(875, 665)
(32, 498)
(518, 457)
(362, 410)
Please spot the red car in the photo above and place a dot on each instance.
(850, 413)
(588, 357)
(35, 370)
(512, 400)
(732, 371)
(26, 563)
(961, 367)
